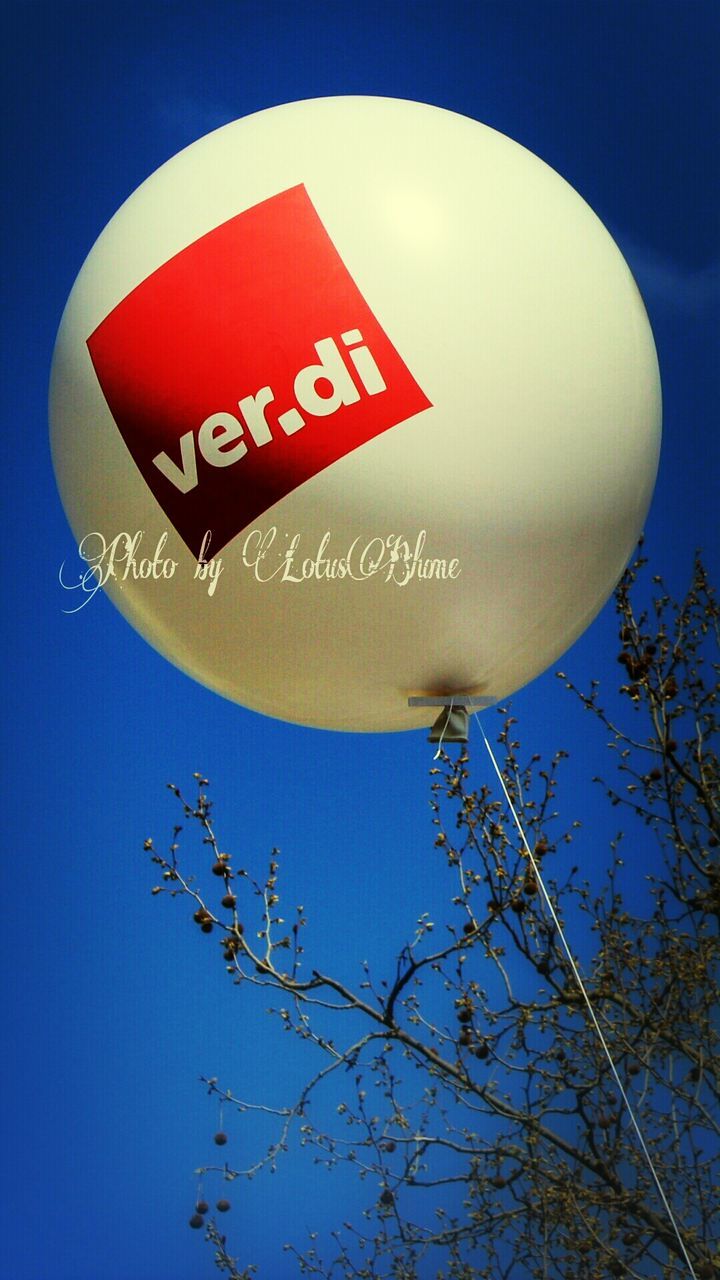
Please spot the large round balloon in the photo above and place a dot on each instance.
(355, 400)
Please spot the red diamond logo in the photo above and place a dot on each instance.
(245, 365)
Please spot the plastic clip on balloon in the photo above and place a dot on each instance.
(378, 392)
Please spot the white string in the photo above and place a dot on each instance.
(586, 998)
(448, 708)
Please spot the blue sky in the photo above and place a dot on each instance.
(114, 1005)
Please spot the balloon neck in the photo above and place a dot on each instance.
(452, 724)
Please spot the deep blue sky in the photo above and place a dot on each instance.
(113, 1008)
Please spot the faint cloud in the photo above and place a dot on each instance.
(666, 281)
(193, 118)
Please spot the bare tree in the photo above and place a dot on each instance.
(483, 1111)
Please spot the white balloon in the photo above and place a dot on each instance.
(401, 342)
